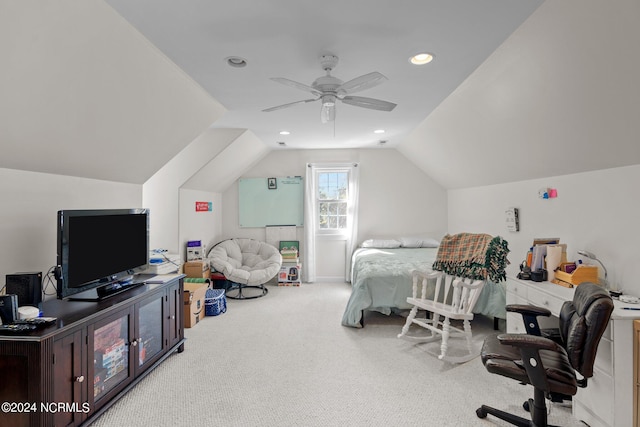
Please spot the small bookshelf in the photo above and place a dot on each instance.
(291, 269)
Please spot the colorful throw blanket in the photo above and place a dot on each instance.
(474, 256)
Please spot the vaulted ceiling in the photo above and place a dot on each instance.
(282, 38)
(115, 89)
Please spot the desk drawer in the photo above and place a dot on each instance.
(604, 357)
(598, 396)
(514, 298)
(516, 289)
(545, 300)
(515, 325)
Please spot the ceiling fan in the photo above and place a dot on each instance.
(329, 90)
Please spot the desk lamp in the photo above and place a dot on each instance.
(590, 255)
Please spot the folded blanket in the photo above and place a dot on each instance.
(474, 256)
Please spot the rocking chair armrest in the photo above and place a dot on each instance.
(428, 274)
(420, 281)
(472, 285)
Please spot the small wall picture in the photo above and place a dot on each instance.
(272, 183)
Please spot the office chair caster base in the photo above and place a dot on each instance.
(481, 413)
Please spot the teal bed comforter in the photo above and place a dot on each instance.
(381, 281)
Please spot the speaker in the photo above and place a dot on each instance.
(8, 309)
(27, 286)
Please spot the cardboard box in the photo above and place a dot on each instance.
(194, 294)
(290, 275)
(197, 269)
(195, 250)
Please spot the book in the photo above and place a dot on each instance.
(289, 249)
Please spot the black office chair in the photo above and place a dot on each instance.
(549, 366)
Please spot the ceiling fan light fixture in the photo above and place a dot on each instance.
(328, 101)
(328, 112)
(236, 61)
(329, 90)
(421, 58)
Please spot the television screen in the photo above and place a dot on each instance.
(100, 247)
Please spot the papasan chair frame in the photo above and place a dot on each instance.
(247, 264)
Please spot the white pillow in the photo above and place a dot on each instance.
(381, 243)
(411, 242)
(428, 242)
(419, 242)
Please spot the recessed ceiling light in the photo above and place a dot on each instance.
(421, 58)
(285, 132)
(236, 61)
(378, 131)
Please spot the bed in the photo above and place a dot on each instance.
(381, 281)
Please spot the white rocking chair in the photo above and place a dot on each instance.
(453, 298)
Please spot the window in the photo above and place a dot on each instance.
(332, 200)
(330, 211)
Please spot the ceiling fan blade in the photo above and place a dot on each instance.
(327, 113)
(374, 104)
(363, 82)
(290, 104)
(296, 85)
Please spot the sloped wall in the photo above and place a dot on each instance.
(30, 202)
(84, 94)
(559, 96)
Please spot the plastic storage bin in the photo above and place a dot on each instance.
(215, 302)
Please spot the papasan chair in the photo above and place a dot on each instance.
(247, 263)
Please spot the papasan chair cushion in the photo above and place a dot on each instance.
(245, 261)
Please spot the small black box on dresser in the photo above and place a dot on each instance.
(27, 286)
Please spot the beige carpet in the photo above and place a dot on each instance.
(285, 360)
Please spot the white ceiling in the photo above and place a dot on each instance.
(519, 89)
(281, 38)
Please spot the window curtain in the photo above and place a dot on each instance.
(352, 219)
(310, 225)
(311, 217)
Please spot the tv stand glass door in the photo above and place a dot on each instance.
(109, 342)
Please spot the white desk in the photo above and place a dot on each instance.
(608, 398)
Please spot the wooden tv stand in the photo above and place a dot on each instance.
(72, 371)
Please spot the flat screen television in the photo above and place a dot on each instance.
(100, 251)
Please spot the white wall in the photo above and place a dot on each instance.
(204, 226)
(161, 192)
(396, 198)
(596, 211)
(30, 202)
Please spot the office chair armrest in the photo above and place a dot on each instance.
(530, 315)
(529, 341)
(530, 346)
(528, 309)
